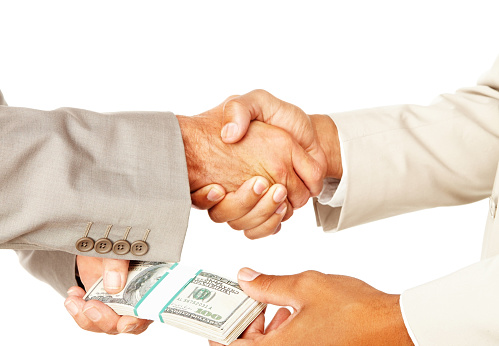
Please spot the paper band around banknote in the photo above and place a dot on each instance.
(164, 291)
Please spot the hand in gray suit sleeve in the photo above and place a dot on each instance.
(65, 168)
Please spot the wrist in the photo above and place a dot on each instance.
(393, 329)
(327, 135)
(193, 136)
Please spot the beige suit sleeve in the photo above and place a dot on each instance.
(459, 309)
(406, 158)
(64, 168)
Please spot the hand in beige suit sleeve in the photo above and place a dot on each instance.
(448, 150)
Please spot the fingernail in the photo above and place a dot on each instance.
(112, 280)
(71, 290)
(93, 314)
(247, 274)
(279, 195)
(282, 209)
(259, 187)
(129, 328)
(71, 307)
(214, 195)
(229, 130)
(277, 229)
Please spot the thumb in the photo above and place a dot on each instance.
(114, 275)
(240, 110)
(270, 289)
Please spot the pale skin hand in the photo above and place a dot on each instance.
(256, 207)
(265, 151)
(328, 310)
(96, 316)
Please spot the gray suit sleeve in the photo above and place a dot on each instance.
(64, 168)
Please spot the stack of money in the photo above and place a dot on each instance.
(192, 299)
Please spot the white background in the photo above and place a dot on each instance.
(324, 56)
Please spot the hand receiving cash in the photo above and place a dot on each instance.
(195, 300)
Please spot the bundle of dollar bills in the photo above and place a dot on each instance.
(189, 298)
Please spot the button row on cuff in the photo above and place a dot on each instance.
(104, 245)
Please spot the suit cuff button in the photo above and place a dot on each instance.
(84, 244)
(121, 247)
(103, 246)
(139, 248)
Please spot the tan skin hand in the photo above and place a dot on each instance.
(328, 139)
(328, 310)
(240, 111)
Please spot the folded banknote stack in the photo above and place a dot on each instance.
(189, 298)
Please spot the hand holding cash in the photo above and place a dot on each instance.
(192, 299)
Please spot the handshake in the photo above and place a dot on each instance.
(254, 158)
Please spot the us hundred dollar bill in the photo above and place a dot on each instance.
(208, 304)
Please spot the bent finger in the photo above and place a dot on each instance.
(310, 171)
(102, 316)
(263, 210)
(74, 305)
(132, 325)
(280, 317)
(207, 196)
(298, 193)
(239, 203)
(269, 227)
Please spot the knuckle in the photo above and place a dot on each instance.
(260, 93)
(300, 199)
(309, 279)
(216, 215)
(289, 213)
(250, 235)
(318, 173)
(236, 225)
(85, 324)
(108, 329)
(267, 283)
(280, 174)
(260, 232)
(232, 106)
(230, 98)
